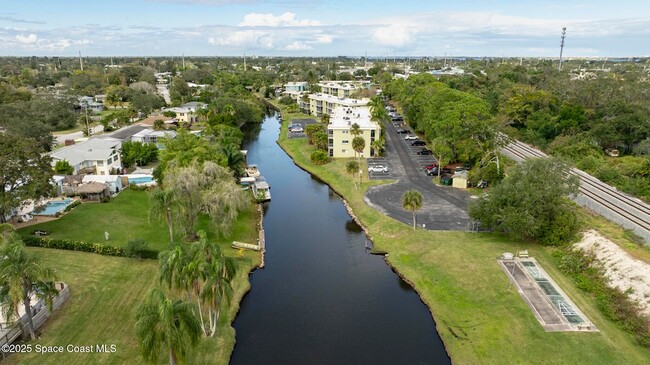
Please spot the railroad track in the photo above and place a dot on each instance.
(628, 208)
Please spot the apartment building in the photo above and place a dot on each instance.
(339, 131)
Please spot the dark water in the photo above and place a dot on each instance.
(322, 298)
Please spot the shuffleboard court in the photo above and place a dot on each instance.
(550, 305)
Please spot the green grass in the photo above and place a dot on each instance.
(456, 274)
(106, 290)
(125, 218)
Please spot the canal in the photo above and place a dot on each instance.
(322, 298)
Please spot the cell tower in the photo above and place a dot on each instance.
(559, 67)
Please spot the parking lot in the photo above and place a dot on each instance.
(443, 208)
(379, 161)
(303, 123)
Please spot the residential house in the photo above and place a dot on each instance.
(89, 103)
(188, 112)
(339, 131)
(296, 86)
(95, 156)
(319, 104)
(151, 136)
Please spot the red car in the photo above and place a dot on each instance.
(432, 166)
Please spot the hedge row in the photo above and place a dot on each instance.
(86, 247)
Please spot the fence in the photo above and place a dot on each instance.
(9, 334)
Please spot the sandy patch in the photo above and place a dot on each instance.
(623, 271)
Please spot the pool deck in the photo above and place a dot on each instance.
(547, 313)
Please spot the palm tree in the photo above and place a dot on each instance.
(21, 276)
(358, 145)
(377, 111)
(161, 203)
(352, 167)
(378, 146)
(166, 323)
(235, 159)
(412, 200)
(355, 130)
(325, 118)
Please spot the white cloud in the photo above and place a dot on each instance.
(30, 39)
(394, 36)
(323, 39)
(298, 46)
(244, 38)
(269, 20)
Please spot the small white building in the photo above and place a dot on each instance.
(151, 136)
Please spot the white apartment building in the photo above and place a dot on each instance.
(339, 131)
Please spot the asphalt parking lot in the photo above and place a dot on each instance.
(379, 161)
(443, 208)
(303, 123)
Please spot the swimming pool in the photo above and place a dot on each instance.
(54, 206)
(140, 180)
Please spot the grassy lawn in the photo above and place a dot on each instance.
(106, 290)
(125, 218)
(456, 274)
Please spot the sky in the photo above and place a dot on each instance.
(378, 28)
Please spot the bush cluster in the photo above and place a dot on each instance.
(614, 303)
(319, 157)
(83, 246)
(72, 205)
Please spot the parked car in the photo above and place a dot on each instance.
(378, 168)
(432, 166)
(417, 142)
(432, 171)
(425, 152)
(411, 137)
(402, 131)
(296, 130)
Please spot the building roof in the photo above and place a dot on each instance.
(92, 188)
(343, 118)
(91, 150)
(341, 101)
(194, 105)
(127, 133)
(100, 178)
(297, 83)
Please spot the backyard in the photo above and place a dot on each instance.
(105, 291)
(126, 218)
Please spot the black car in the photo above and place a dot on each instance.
(418, 143)
(425, 152)
(403, 131)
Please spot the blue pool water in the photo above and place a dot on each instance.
(140, 180)
(55, 206)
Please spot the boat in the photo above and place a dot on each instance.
(252, 171)
(261, 190)
(246, 182)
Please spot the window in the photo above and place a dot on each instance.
(100, 163)
(372, 133)
(345, 141)
(344, 151)
(331, 152)
(346, 132)
(110, 159)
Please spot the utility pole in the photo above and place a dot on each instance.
(244, 62)
(81, 62)
(559, 66)
(183, 57)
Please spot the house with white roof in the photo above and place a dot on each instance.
(95, 156)
(188, 112)
(342, 89)
(339, 131)
(151, 136)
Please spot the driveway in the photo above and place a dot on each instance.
(443, 207)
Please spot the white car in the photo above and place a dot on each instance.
(411, 137)
(378, 168)
(296, 130)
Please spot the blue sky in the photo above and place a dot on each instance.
(324, 28)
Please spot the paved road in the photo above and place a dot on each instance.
(163, 90)
(60, 138)
(443, 208)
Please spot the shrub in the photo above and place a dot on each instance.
(82, 246)
(105, 199)
(613, 302)
(319, 157)
(134, 248)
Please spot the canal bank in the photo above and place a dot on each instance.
(456, 276)
(322, 297)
